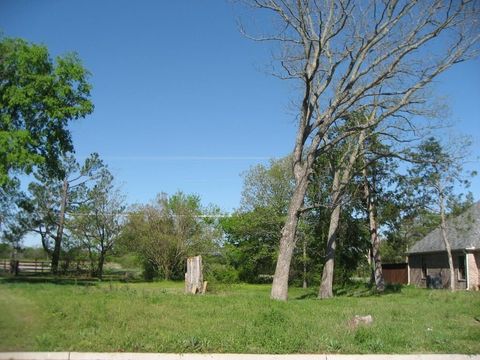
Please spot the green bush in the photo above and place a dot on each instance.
(221, 273)
(149, 271)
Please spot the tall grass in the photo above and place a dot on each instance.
(158, 317)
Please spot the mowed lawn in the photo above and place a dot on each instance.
(158, 317)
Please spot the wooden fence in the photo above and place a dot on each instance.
(4, 265)
(25, 266)
(41, 266)
(395, 273)
(76, 268)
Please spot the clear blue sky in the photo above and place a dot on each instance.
(181, 98)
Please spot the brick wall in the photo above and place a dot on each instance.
(473, 270)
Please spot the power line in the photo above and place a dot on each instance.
(132, 212)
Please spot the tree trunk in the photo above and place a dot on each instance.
(305, 285)
(287, 242)
(341, 178)
(61, 222)
(326, 287)
(101, 261)
(375, 241)
(166, 273)
(92, 261)
(44, 239)
(443, 227)
(370, 266)
(14, 265)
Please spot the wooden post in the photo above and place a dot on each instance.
(194, 276)
(14, 267)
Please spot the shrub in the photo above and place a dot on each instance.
(149, 271)
(221, 273)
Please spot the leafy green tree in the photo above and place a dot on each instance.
(13, 237)
(352, 241)
(34, 253)
(38, 99)
(268, 186)
(97, 222)
(52, 198)
(379, 173)
(407, 220)
(405, 223)
(435, 172)
(5, 250)
(353, 244)
(343, 161)
(251, 242)
(10, 198)
(252, 232)
(459, 203)
(168, 230)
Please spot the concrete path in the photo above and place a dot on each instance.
(147, 356)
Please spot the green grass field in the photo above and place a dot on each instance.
(158, 317)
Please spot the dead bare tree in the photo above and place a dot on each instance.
(343, 173)
(355, 156)
(371, 206)
(358, 55)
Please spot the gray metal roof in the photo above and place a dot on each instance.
(463, 232)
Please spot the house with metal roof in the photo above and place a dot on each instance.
(428, 261)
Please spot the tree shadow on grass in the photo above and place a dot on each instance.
(48, 279)
(393, 288)
(310, 295)
(366, 290)
(64, 279)
(354, 289)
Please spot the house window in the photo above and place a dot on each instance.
(461, 267)
(424, 268)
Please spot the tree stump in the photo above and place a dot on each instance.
(194, 276)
